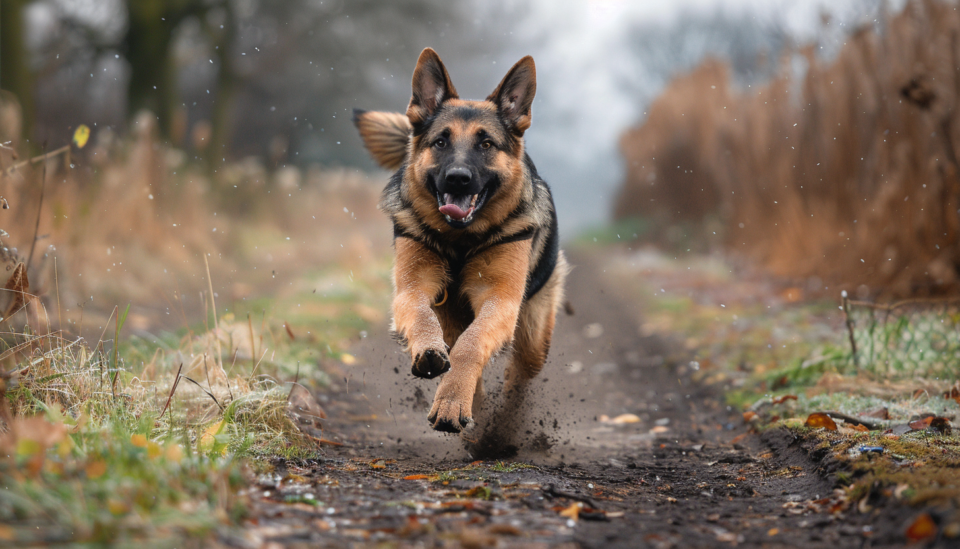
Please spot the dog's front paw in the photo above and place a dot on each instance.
(451, 411)
(430, 363)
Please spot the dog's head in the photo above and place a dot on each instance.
(463, 157)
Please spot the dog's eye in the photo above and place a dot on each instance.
(440, 143)
(486, 145)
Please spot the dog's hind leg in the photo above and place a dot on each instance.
(531, 342)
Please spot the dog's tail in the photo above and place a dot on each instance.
(385, 135)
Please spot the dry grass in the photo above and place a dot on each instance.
(131, 220)
(115, 427)
(849, 174)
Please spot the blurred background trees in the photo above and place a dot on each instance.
(223, 77)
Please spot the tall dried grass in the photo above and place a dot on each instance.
(849, 174)
(130, 221)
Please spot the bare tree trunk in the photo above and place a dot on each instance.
(153, 84)
(15, 75)
(226, 81)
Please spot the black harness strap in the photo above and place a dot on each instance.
(546, 263)
(535, 280)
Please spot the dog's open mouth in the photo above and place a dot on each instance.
(460, 209)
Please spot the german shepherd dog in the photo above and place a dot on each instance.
(478, 265)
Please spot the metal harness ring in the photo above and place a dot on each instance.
(442, 301)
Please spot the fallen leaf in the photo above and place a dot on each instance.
(878, 413)
(819, 419)
(505, 530)
(934, 423)
(328, 442)
(922, 528)
(208, 438)
(81, 135)
(621, 419)
(95, 469)
(750, 416)
(660, 429)
(739, 438)
(773, 531)
(173, 453)
(154, 450)
(572, 512)
(117, 507)
(784, 398)
(861, 428)
(140, 441)
(417, 477)
(348, 359)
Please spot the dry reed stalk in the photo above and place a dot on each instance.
(850, 174)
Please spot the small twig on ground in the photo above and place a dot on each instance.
(209, 394)
(854, 420)
(553, 492)
(329, 442)
(173, 389)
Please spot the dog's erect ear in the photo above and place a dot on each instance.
(385, 135)
(514, 96)
(431, 87)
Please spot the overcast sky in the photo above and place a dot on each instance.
(582, 102)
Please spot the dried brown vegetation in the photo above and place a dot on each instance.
(129, 221)
(849, 173)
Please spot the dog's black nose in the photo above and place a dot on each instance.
(458, 176)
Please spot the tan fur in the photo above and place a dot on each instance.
(461, 293)
(531, 341)
(386, 136)
(419, 277)
(493, 284)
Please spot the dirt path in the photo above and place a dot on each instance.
(675, 478)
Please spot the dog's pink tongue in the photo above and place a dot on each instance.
(453, 211)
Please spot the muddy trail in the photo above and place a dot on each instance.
(680, 472)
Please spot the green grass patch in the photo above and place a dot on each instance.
(148, 440)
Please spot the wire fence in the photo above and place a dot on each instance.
(910, 338)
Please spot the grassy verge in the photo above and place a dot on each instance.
(783, 356)
(116, 427)
(151, 439)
